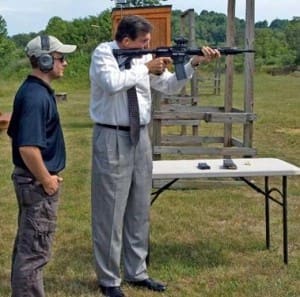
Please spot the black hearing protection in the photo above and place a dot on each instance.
(45, 61)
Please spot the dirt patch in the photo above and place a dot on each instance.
(290, 131)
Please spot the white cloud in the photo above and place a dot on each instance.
(5, 9)
(18, 11)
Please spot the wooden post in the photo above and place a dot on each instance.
(156, 124)
(188, 17)
(249, 71)
(183, 90)
(217, 78)
(230, 34)
(192, 43)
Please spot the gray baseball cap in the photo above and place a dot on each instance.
(35, 48)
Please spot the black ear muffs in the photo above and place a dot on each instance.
(45, 61)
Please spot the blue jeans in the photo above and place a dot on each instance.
(36, 226)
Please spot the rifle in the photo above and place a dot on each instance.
(179, 52)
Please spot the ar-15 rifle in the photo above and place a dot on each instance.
(179, 52)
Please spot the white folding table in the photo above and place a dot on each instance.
(246, 167)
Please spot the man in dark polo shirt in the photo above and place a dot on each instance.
(38, 153)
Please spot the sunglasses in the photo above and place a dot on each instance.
(61, 58)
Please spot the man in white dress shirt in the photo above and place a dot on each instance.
(121, 169)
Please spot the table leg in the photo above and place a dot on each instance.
(156, 194)
(267, 212)
(284, 213)
(283, 203)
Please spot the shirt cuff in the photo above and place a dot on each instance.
(189, 69)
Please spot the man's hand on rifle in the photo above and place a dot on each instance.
(209, 54)
(158, 65)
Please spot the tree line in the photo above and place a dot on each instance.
(277, 44)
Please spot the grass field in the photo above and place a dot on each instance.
(207, 242)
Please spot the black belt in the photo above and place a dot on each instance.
(25, 172)
(122, 128)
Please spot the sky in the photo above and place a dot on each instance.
(33, 15)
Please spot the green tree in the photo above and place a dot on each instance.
(276, 45)
(292, 32)
(58, 27)
(210, 27)
(262, 24)
(22, 39)
(175, 23)
(278, 24)
(86, 33)
(8, 52)
(272, 48)
(3, 29)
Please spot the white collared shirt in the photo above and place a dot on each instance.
(109, 84)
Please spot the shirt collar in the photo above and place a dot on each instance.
(41, 82)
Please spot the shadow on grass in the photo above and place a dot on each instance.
(71, 272)
(197, 255)
(71, 286)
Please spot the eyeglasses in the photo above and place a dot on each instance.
(61, 58)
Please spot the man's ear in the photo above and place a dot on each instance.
(126, 42)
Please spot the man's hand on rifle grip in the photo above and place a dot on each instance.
(158, 65)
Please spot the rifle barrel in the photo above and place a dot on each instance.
(234, 51)
(223, 51)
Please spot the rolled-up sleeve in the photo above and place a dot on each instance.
(167, 82)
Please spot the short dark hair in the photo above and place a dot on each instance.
(131, 26)
(34, 62)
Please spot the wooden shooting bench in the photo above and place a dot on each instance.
(246, 168)
(62, 96)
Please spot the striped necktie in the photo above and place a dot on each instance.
(133, 111)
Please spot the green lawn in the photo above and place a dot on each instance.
(207, 242)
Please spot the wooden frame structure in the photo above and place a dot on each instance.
(184, 111)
